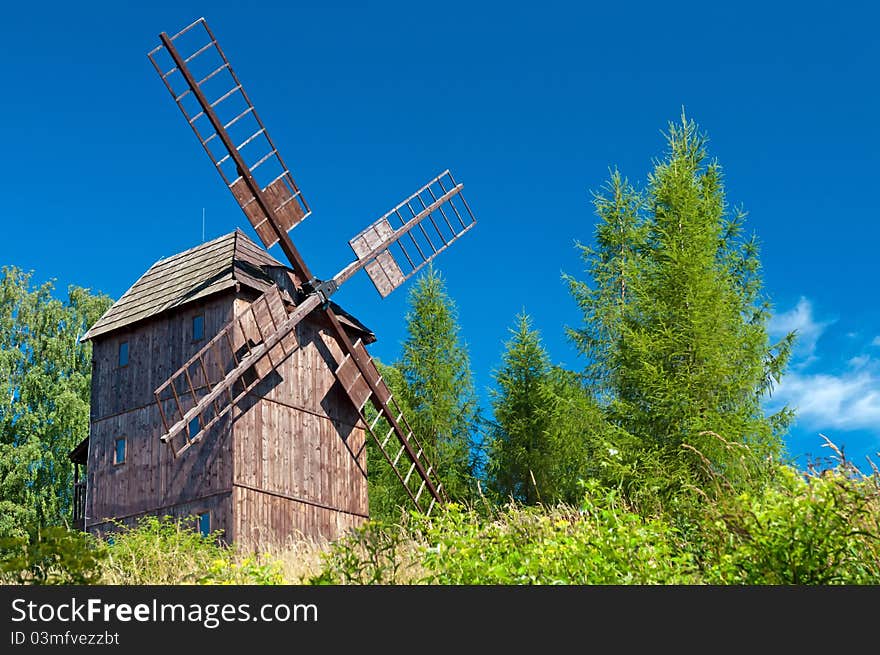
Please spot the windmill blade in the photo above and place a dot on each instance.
(251, 346)
(362, 382)
(396, 246)
(214, 103)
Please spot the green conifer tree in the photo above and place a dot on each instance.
(434, 385)
(547, 426)
(675, 320)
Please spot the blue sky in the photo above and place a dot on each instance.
(527, 104)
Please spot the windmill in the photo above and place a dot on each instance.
(391, 250)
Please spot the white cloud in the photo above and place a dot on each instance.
(876, 341)
(860, 361)
(799, 319)
(849, 401)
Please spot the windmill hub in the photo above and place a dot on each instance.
(324, 289)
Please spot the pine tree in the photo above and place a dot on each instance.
(613, 264)
(547, 426)
(519, 447)
(675, 318)
(434, 386)
(438, 389)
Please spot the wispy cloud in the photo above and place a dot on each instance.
(860, 361)
(828, 397)
(849, 401)
(800, 319)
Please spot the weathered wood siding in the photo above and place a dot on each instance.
(288, 461)
(219, 506)
(263, 520)
(151, 481)
(300, 462)
(156, 349)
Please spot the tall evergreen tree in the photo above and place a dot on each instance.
(547, 426)
(676, 318)
(45, 376)
(434, 385)
(519, 448)
(438, 389)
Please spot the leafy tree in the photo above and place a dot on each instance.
(51, 555)
(45, 375)
(674, 323)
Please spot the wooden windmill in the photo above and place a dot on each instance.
(250, 347)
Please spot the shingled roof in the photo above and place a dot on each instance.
(191, 275)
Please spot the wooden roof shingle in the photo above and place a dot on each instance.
(194, 274)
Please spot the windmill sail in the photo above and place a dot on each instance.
(204, 389)
(216, 106)
(392, 249)
(390, 429)
(402, 241)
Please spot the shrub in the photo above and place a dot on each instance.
(51, 555)
(602, 542)
(813, 529)
(378, 552)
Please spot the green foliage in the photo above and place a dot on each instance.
(433, 383)
(603, 542)
(45, 375)
(386, 495)
(439, 389)
(674, 323)
(378, 552)
(546, 425)
(803, 529)
(51, 555)
(164, 550)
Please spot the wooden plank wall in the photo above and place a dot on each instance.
(263, 520)
(122, 405)
(289, 460)
(300, 462)
(156, 349)
(220, 507)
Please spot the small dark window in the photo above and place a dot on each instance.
(198, 327)
(123, 353)
(194, 427)
(119, 451)
(205, 523)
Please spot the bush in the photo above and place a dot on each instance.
(378, 552)
(814, 529)
(602, 542)
(52, 555)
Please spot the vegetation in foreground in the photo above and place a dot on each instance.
(818, 528)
